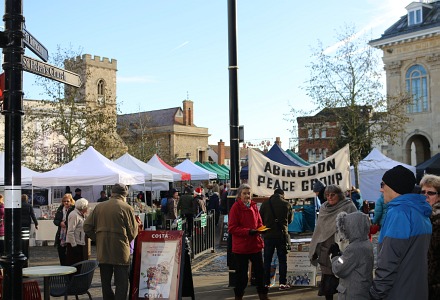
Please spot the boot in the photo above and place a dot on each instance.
(263, 296)
(238, 297)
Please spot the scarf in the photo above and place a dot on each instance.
(326, 224)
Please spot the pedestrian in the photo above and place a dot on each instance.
(172, 202)
(318, 189)
(276, 214)
(355, 196)
(60, 220)
(380, 211)
(402, 264)
(112, 225)
(2, 225)
(214, 206)
(27, 214)
(77, 194)
(75, 236)
(186, 208)
(430, 187)
(244, 221)
(324, 236)
(103, 197)
(354, 266)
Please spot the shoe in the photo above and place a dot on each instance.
(284, 287)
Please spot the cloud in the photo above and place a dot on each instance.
(136, 79)
(180, 46)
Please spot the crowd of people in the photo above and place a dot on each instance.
(408, 250)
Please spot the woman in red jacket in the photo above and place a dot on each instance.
(244, 220)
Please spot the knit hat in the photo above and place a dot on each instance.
(400, 179)
(120, 189)
(318, 186)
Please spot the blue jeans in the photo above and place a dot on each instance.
(269, 249)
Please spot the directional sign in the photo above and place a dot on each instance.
(36, 47)
(49, 71)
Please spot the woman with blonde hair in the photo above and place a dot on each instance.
(430, 187)
(60, 220)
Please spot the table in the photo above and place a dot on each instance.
(46, 272)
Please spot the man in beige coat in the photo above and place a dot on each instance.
(112, 225)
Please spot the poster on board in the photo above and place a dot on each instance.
(158, 265)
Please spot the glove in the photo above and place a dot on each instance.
(253, 231)
(334, 250)
(314, 260)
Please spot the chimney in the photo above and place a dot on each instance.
(221, 152)
(278, 141)
(188, 113)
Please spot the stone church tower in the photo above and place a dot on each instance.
(411, 56)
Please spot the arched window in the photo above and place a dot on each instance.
(101, 92)
(417, 86)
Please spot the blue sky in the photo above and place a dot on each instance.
(169, 50)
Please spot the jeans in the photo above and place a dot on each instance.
(241, 264)
(121, 281)
(269, 249)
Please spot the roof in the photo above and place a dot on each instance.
(430, 25)
(155, 118)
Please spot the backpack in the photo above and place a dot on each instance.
(164, 205)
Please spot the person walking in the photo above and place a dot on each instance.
(112, 225)
(380, 211)
(172, 201)
(276, 214)
(60, 220)
(27, 214)
(430, 188)
(402, 264)
(75, 236)
(186, 208)
(324, 236)
(244, 220)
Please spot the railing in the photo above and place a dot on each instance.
(202, 235)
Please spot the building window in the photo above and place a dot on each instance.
(60, 154)
(323, 133)
(417, 86)
(310, 133)
(101, 92)
(415, 17)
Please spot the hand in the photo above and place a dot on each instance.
(253, 232)
(334, 250)
(314, 260)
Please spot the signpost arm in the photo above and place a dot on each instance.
(13, 259)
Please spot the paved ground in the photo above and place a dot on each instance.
(210, 278)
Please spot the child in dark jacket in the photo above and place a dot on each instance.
(354, 266)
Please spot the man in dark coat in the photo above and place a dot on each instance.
(276, 214)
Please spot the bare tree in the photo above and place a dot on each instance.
(346, 87)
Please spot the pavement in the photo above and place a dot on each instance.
(210, 277)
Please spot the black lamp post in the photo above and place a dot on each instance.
(13, 51)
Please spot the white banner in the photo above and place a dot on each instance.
(266, 175)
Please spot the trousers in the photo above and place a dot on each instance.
(121, 281)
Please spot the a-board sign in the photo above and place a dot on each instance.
(300, 272)
(158, 265)
(40, 68)
(35, 46)
(224, 232)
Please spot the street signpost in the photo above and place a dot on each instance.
(34, 45)
(40, 68)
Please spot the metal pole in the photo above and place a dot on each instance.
(13, 259)
(233, 121)
(233, 94)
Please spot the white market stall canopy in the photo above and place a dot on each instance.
(178, 175)
(371, 170)
(151, 173)
(197, 173)
(26, 173)
(89, 168)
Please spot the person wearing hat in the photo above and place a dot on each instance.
(277, 214)
(77, 194)
(402, 264)
(318, 189)
(112, 225)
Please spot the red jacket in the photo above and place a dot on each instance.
(241, 220)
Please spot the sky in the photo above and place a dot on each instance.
(171, 50)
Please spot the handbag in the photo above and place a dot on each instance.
(286, 238)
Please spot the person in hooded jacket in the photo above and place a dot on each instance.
(244, 220)
(354, 266)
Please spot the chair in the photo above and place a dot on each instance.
(77, 284)
(31, 290)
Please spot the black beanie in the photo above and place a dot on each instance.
(400, 179)
(318, 186)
